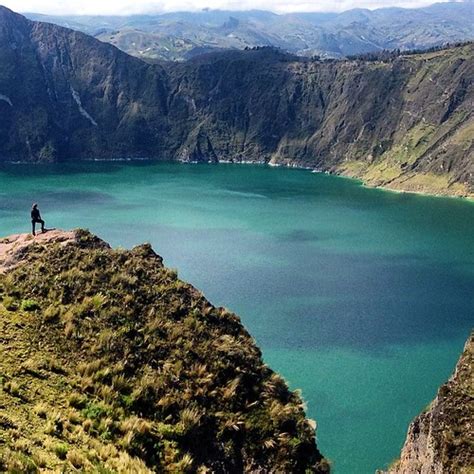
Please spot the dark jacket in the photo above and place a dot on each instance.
(35, 214)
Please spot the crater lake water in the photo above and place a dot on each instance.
(361, 298)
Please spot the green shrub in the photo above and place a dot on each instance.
(51, 365)
(15, 462)
(29, 305)
(76, 459)
(55, 425)
(95, 411)
(13, 388)
(41, 409)
(51, 314)
(61, 450)
(77, 400)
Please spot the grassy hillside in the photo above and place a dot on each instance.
(432, 150)
(110, 363)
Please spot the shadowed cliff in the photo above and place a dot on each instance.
(440, 440)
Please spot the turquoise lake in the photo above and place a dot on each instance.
(361, 298)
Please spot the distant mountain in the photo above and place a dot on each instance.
(182, 35)
(404, 121)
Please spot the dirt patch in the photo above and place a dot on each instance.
(14, 247)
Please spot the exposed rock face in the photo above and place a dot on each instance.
(74, 97)
(110, 363)
(440, 440)
(15, 247)
(406, 123)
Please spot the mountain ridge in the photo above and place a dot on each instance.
(181, 35)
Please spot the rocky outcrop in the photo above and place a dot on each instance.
(404, 123)
(15, 247)
(440, 440)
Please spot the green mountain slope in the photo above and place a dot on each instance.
(404, 122)
(110, 363)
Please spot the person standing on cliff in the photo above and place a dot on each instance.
(36, 218)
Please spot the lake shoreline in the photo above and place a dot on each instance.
(270, 164)
(341, 174)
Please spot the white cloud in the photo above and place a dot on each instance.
(127, 7)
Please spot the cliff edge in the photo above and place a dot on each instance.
(441, 440)
(110, 363)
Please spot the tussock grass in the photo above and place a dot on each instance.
(132, 370)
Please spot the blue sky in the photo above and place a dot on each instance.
(125, 7)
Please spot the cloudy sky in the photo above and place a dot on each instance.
(124, 7)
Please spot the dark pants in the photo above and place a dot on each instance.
(37, 221)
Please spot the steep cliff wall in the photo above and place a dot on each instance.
(440, 440)
(406, 123)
